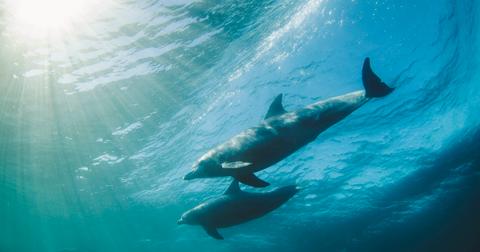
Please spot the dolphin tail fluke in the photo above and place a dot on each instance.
(374, 86)
(252, 180)
(213, 232)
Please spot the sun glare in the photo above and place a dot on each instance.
(41, 16)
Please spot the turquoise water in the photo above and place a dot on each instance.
(100, 122)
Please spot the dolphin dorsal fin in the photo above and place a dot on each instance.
(233, 188)
(276, 108)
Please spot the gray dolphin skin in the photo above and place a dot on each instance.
(235, 207)
(282, 133)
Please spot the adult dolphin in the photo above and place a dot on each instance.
(235, 207)
(282, 133)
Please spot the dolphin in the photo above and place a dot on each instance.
(281, 133)
(235, 207)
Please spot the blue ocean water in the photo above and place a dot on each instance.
(100, 121)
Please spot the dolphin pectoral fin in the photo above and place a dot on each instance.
(374, 86)
(252, 180)
(213, 232)
(276, 108)
(235, 165)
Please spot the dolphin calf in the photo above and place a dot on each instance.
(235, 207)
(282, 133)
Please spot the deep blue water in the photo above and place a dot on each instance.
(100, 122)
